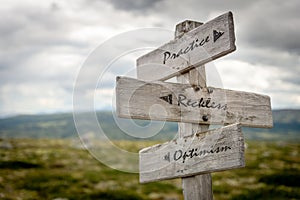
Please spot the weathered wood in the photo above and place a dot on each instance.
(185, 103)
(196, 47)
(198, 187)
(215, 150)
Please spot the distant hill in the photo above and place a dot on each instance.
(63, 126)
(286, 127)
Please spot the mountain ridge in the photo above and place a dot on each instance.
(61, 125)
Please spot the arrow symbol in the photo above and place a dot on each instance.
(217, 34)
(167, 157)
(167, 98)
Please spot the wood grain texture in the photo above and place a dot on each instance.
(197, 187)
(185, 103)
(196, 47)
(215, 150)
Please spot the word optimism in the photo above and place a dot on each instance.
(180, 155)
(202, 102)
(193, 45)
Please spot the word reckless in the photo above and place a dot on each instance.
(205, 103)
(190, 47)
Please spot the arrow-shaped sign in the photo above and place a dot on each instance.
(215, 150)
(182, 103)
(197, 47)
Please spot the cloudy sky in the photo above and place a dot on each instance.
(45, 44)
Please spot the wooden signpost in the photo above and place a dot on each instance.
(197, 47)
(184, 103)
(196, 152)
(211, 151)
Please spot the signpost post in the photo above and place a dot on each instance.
(196, 152)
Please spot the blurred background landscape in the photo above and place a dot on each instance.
(61, 126)
(42, 158)
(49, 50)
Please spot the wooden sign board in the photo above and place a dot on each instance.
(215, 150)
(196, 47)
(183, 103)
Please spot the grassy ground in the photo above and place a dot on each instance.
(54, 169)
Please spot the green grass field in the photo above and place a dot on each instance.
(54, 169)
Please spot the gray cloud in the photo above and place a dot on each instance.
(133, 5)
(43, 45)
(259, 23)
(273, 26)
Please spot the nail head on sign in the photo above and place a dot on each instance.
(196, 88)
(205, 118)
(209, 90)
